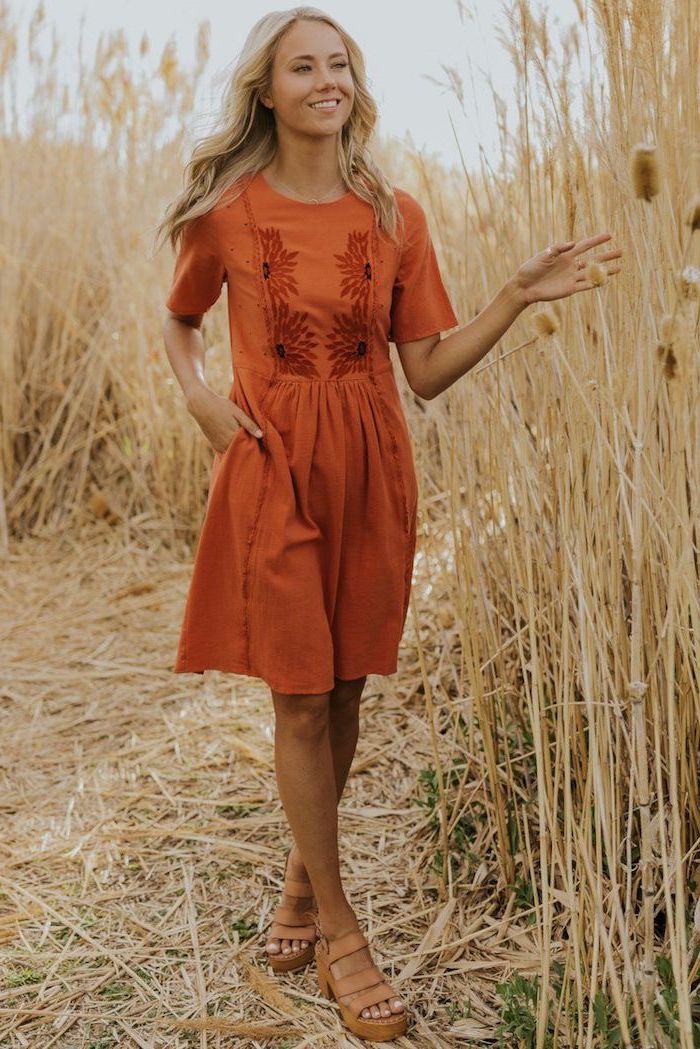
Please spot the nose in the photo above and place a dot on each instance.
(326, 82)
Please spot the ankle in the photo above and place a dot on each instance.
(336, 922)
(295, 859)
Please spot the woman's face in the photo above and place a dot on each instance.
(311, 65)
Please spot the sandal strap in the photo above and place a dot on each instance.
(298, 887)
(345, 944)
(292, 916)
(291, 932)
(359, 981)
(382, 992)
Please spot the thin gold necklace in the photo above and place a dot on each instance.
(313, 200)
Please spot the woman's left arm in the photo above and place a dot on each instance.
(554, 273)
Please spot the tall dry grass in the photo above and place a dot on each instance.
(555, 611)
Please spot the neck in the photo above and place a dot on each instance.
(311, 174)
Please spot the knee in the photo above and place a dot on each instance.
(304, 716)
(345, 696)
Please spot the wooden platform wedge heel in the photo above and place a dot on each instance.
(368, 987)
(293, 921)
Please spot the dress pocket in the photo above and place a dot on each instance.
(261, 418)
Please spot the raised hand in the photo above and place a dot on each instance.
(559, 270)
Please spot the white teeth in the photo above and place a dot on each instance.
(323, 105)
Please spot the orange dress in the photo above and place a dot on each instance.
(304, 560)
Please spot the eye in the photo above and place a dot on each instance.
(340, 65)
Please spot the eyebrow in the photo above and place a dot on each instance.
(336, 54)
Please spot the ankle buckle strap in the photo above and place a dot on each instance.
(298, 887)
(289, 916)
(345, 944)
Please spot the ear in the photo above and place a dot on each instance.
(266, 101)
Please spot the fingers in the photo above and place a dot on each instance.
(590, 242)
(252, 427)
(578, 247)
(246, 422)
(249, 426)
(607, 255)
(225, 448)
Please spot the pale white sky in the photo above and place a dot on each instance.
(402, 43)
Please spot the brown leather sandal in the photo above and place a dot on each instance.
(293, 923)
(370, 982)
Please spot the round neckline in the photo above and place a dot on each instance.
(304, 203)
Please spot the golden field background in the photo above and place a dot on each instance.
(526, 863)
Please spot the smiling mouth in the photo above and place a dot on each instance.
(325, 104)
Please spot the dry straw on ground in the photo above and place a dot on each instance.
(144, 838)
(526, 860)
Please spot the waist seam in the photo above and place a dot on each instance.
(308, 381)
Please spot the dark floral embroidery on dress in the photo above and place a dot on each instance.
(349, 338)
(355, 265)
(348, 341)
(278, 264)
(293, 341)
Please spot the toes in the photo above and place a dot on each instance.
(295, 945)
(375, 1013)
(396, 1005)
(273, 946)
(304, 943)
(286, 947)
(386, 1011)
(366, 1013)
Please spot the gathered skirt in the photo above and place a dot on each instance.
(304, 561)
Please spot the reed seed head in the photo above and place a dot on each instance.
(545, 321)
(644, 171)
(168, 68)
(674, 347)
(595, 273)
(693, 213)
(203, 49)
(670, 365)
(689, 282)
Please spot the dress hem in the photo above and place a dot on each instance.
(229, 668)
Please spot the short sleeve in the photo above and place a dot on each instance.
(199, 271)
(420, 304)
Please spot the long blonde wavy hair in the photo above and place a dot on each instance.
(246, 140)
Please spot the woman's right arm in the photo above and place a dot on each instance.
(218, 417)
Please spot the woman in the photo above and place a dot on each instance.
(304, 561)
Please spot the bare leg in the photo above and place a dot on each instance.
(343, 728)
(308, 788)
